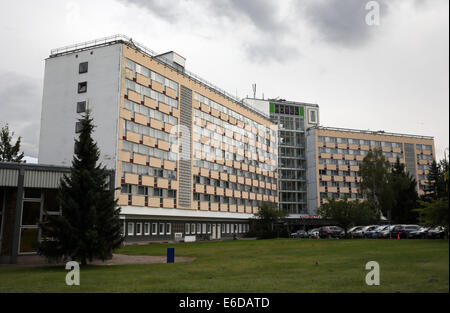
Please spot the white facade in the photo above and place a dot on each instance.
(262, 106)
(59, 105)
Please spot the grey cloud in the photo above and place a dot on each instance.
(262, 51)
(338, 22)
(262, 13)
(20, 103)
(166, 9)
(267, 43)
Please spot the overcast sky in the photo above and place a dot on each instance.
(392, 77)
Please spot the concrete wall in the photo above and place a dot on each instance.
(259, 105)
(311, 172)
(59, 104)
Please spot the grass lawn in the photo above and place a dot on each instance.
(279, 265)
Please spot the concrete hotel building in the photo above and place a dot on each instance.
(334, 156)
(189, 158)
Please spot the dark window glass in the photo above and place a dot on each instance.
(50, 201)
(31, 213)
(157, 192)
(281, 109)
(291, 110)
(78, 127)
(29, 239)
(81, 107)
(277, 108)
(32, 193)
(297, 111)
(83, 68)
(1, 208)
(82, 87)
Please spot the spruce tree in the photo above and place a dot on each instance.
(404, 187)
(435, 182)
(89, 226)
(9, 152)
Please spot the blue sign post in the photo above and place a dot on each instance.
(170, 255)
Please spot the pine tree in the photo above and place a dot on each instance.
(8, 151)
(435, 182)
(89, 226)
(405, 194)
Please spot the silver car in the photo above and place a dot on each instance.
(362, 232)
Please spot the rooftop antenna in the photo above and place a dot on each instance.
(254, 91)
(134, 45)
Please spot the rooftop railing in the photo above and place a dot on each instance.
(130, 42)
(371, 132)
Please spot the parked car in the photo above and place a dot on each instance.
(352, 230)
(437, 232)
(421, 233)
(331, 232)
(374, 232)
(386, 232)
(313, 233)
(361, 233)
(299, 234)
(402, 231)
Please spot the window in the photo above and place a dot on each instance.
(193, 229)
(83, 68)
(161, 228)
(187, 227)
(228, 228)
(130, 229)
(154, 228)
(223, 228)
(168, 229)
(199, 228)
(82, 87)
(78, 127)
(81, 107)
(147, 229)
(203, 228)
(209, 228)
(32, 193)
(31, 213)
(313, 116)
(138, 229)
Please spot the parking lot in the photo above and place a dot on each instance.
(395, 231)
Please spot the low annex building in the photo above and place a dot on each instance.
(27, 195)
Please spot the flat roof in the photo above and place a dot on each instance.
(283, 101)
(370, 132)
(33, 166)
(119, 38)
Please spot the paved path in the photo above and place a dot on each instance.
(118, 259)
